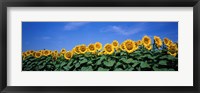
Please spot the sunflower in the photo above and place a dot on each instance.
(173, 47)
(146, 41)
(55, 52)
(63, 50)
(173, 54)
(31, 52)
(98, 45)
(24, 56)
(158, 41)
(68, 55)
(59, 54)
(50, 52)
(92, 48)
(101, 53)
(130, 46)
(115, 44)
(167, 42)
(148, 47)
(28, 53)
(122, 46)
(41, 51)
(82, 48)
(46, 52)
(76, 50)
(136, 46)
(38, 54)
(139, 42)
(117, 48)
(109, 49)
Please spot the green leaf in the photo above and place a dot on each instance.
(32, 59)
(129, 60)
(102, 69)
(123, 53)
(126, 60)
(83, 61)
(89, 68)
(168, 57)
(43, 57)
(77, 65)
(57, 65)
(163, 62)
(109, 63)
(63, 63)
(164, 69)
(90, 62)
(118, 64)
(144, 65)
(155, 68)
(98, 62)
(66, 68)
(41, 66)
(171, 69)
(118, 69)
(135, 64)
(130, 69)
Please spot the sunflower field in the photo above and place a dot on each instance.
(130, 55)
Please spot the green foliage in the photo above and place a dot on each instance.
(140, 60)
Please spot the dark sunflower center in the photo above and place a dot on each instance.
(91, 47)
(129, 45)
(115, 43)
(68, 55)
(83, 48)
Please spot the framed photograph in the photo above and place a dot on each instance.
(99, 46)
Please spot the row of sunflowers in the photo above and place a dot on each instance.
(136, 53)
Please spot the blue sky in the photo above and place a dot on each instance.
(58, 35)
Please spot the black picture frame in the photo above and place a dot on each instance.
(101, 3)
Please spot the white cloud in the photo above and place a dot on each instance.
(125, 30)
(74, 25)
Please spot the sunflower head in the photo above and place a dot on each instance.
(158, 41)
(115, 44)
(31, 52)
(82, 48)
(167, 42)
(122, 47)
(130, 46)
(146, 41)
(28, 53)
(68, 55)
(24, 56)
(173, 48)
(52, 54)
(173, 54)
(139, 42)
(98, 45)
(46, 52)
(92, 48)
(148, 47)
(59, 54)
(55, 52)
(109, 49)
(38, 54)
(76, 50)
(63, 51)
